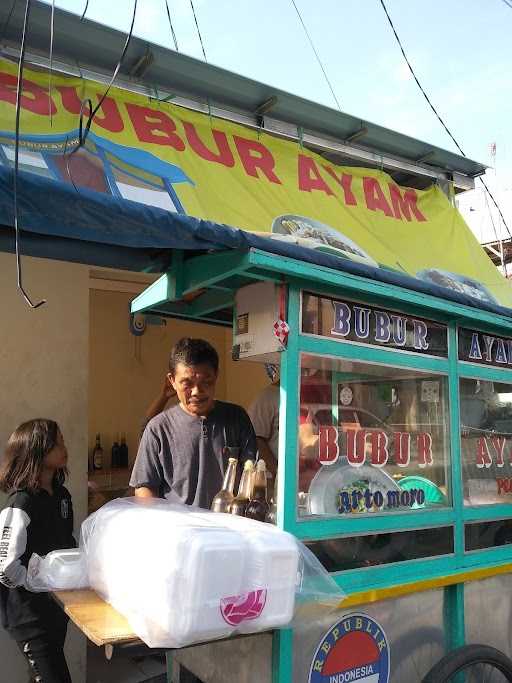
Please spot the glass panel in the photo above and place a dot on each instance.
(488, 534)
(340, 554)
(486, 441)
(349, 321)
(372, 438)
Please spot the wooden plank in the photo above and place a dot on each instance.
(98, 620)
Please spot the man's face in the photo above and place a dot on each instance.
(195, 387)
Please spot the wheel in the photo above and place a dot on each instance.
(477, 663)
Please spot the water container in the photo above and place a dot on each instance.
(64, 569)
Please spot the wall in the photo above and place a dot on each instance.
(126, 372)
(44, 371)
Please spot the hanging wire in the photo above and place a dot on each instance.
(83, 131)
(172, 28)
(316, 55)
(85, 10)
(52, 25)
(198, 30)
(508, 3)
(17, 228)
(436, 113)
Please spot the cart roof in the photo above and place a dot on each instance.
(97, 229)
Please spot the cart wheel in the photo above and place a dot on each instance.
(477, 662)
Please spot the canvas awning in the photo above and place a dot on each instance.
(97, 229)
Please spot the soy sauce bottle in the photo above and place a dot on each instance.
(241, 500)
(258, 507)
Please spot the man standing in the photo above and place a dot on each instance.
(184, 450)
(264, 414)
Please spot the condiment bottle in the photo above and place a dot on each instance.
(258, 507)
(224, 497)
(241, 500)
(97, 455)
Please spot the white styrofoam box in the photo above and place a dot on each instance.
(181, 575)
(271, 565)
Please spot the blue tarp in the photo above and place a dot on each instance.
(98, 229)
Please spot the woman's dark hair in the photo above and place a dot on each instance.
(193, 352)
(23, 458)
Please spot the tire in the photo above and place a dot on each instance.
(467, 659)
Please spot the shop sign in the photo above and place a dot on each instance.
(349, 321)
(354, 649)
(485, 349)
(152, 151)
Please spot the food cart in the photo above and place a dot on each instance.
(394, 467)
(396, 391)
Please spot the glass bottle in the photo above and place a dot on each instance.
(97, 455)
(258, 507)
(123, 452)
(114, 462)
(225, 496)
(241, 500)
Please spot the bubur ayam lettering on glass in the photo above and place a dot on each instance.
(349, 321)
(360, 447)
(484, 349)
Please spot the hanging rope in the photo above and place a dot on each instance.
(85, 10)
(198, 30)
(84, 130)
(172, 28)
(17, 228)
(316, 55)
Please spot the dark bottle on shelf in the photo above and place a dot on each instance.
(258, 507)
(97, 455)
(115, 454)
(224, 498)
(123, 452)
(241, 500)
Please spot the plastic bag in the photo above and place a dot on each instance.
(58, 570)
(182, 575)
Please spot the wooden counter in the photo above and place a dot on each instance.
(98, 620)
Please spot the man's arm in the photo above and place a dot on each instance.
(264, 415)
(147, 475)
(145, 492)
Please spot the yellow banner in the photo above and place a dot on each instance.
(158, 153)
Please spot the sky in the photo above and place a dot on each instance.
(460, 50)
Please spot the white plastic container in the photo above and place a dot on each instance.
(271, 565)
(61, 570)
(181, 575)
